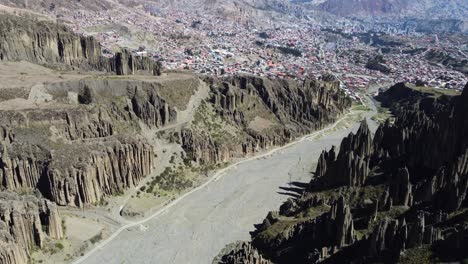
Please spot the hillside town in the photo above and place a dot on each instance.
(208, 44)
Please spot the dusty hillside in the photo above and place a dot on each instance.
(398, 8)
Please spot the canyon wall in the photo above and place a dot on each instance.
(246, 114)
(404, 191)
(25, 223)
(56, 46)
(81, 151)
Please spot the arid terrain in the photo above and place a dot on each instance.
(226, 208)
(233, 132)
(110, 140)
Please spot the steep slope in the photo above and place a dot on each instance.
(454, 9)
(85, 145)
(54, 45)
(397, 196)
(363, 8)
(247, 114)
(25, 223)
(249, 9)
(41, 5)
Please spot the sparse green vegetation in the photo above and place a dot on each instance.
(381, 117)
(416, 255)
(168, 181)
(208, 124)
(393, 213)
(178, 92)
(433, 91)
(360, 107)
(59, 246)
(172, 160)
(313, 212)
(277, 228)
(360, 234)
(96, 238)
(64, 226)
(103, 202)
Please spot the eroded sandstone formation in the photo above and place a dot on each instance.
(351, 165)
(255, 113)
(98, 169)
(54, 45)
(322, 235)
(80, 152)
(25, 222)
(405, 189)
(244, 253)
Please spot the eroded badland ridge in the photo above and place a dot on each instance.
(54, 45)
(78, 128)
(396, 196)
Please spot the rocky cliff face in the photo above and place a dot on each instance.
(77, 153)
(99, 170)
(25, 222)
(351, 166)
(324, 235)
(396, 195)
(256, 113)
(56, 46)
(244, 253)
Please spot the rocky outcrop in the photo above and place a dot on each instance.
(392, 236)
(427, 138)
(10, 252)
(323, 235)
(152, 109)
(244, 253)
(43, 42)
(77, 173)
(101, 169)
(263, 113)
(340, 213)
(204, 150)
(351, 166)
(400, 189)
(377, 63)
(126, 63)
(78, 152)
(410, 194)
(25, 222)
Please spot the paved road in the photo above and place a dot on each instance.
(197, 227)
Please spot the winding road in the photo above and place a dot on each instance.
(196, 227)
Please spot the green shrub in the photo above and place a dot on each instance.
(59, 245)
(96, 238)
